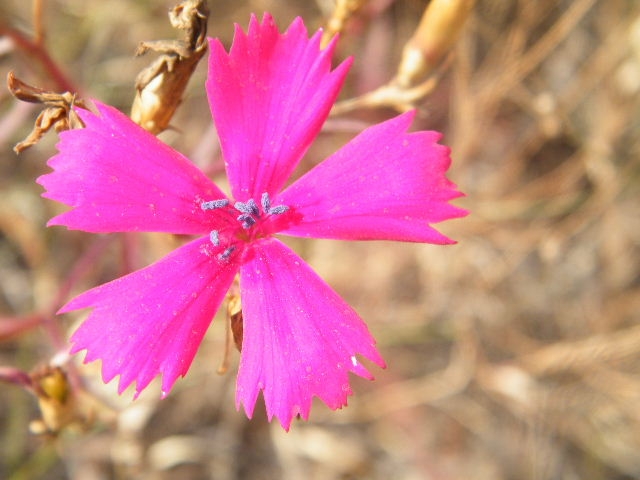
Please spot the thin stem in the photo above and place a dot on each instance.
(13, 326)
(39, 53)
(37, 22)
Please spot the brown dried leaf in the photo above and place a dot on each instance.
(58, 113)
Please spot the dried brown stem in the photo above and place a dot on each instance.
(38, 27)
(424, 58)
(343, 10)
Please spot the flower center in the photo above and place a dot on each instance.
(254, 222)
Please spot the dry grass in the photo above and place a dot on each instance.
(514, 354)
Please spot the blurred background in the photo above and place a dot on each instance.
(514, 354)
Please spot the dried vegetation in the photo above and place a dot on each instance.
(514, 354)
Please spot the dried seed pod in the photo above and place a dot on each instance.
(160, 86)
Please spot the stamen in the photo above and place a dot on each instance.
(227, 253)
(247, 221)
(213, 204)
(254, 208)
(250, 208)
(266, 202)
(278, 209)
(214, 236)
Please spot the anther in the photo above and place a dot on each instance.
(266, 202)
(278, 209)
(214, 236)
(227, 253)
(250, 207)
(254, 208)
(247, 221)
(213, 204)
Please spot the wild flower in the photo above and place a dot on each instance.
(269, 97)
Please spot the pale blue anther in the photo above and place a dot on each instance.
(247, 221)
(214, 236)
(254, 208)
(278, 209)
(249, 208)
(266, 202)
(213, 204)
(227, 253)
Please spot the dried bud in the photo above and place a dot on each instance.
(56, 402)
(160, 86)
(51, 383)
(437, 32)
(58, 113)
(59, 408)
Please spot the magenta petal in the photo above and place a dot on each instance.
(152, 321)
(300, 338)
(118, 177)
(385, 184)
(269, 97)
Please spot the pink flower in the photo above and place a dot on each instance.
(269, 97)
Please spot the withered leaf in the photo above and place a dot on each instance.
(58, 112)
